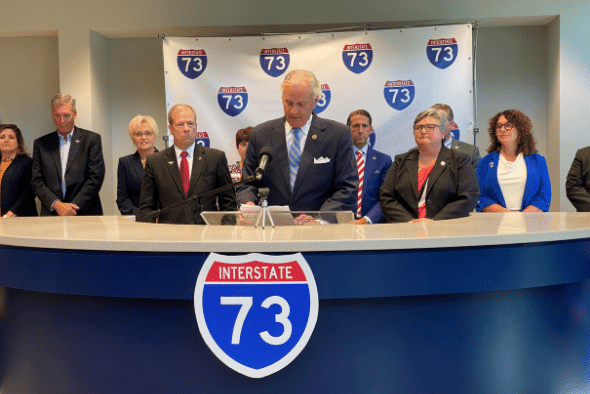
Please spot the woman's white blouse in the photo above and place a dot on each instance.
(512, 178)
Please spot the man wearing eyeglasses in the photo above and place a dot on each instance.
(452, 143)
(182, 171)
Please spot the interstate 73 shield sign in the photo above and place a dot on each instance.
(256, 312)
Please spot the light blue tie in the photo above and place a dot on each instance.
(294, 155)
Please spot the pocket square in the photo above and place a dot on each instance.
(321, 160)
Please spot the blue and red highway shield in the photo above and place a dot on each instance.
(256, 312)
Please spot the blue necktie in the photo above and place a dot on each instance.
(294, 155)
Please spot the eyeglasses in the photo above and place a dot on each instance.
(507, 126)
(429, 128)
(180, 126)
(139, 134)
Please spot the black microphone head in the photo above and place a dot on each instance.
(266, 150)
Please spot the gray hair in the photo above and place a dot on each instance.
(432, 113)
(177, 107)
(297, 76)
(446, 109)
(63, 99)
(137, 121)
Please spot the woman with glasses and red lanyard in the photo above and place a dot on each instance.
(429, 182)
(513, 176)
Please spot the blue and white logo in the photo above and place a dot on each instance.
(275, 61)
(358, 57)
(324, 99)
(192, 62)
(442, 52)
(399, 94)
(232, 100)
(256, 312)
(203, 139)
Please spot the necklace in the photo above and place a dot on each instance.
(8, 159)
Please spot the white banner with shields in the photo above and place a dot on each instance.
(394, 74)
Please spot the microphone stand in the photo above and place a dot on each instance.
(257, 176)
(263, 195)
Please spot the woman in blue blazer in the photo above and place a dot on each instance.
(513, 176)
(17, 197)
(143, 131)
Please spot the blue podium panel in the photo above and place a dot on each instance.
(516, 341)
(461, 317)
(351, 274)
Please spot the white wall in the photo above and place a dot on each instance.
(512, 73)
(29, 77)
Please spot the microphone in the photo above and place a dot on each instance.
(265, 157)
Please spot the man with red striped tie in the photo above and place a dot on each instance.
(372, 167)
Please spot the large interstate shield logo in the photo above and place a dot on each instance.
(256, 312)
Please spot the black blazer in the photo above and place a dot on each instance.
(129, 174)
(452, 189)
(577, 185)
(17, 193)
(161, 185)
(84, 172)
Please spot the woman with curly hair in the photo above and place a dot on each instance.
(513, 176)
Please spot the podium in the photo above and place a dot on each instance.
(277, 217)
(488, 303)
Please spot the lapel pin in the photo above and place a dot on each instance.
(200, 158)
(314, 137)
(374, 158)
(442, 163)
(77, 141)
(170, 162)
(492, 164)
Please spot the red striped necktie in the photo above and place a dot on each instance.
(360, 163)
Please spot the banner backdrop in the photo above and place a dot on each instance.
(394, 74)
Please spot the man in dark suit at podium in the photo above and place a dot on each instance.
(182, 171)
(68, 167)
(313, 167)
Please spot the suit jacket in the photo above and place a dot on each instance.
(451, 192)
(376, 166)
(327, 178)
(129, 174)
(17, 193)
(464, 147)
(537, 189)
(577, 185)
(84, 172)
(161, 186)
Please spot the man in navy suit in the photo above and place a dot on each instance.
(68, 167)
(372, 166)
(313, 166)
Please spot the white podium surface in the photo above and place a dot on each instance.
(117, 233)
